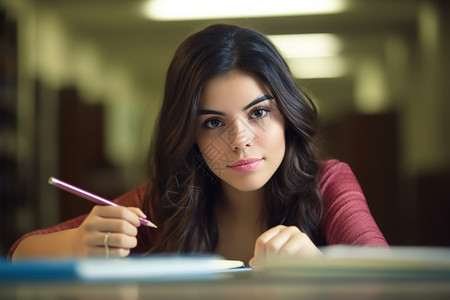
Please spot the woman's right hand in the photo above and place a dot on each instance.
(120, 222)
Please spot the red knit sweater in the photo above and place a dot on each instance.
(346, 220)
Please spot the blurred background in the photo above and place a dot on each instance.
(81, 83)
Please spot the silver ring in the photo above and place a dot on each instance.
(105, 242)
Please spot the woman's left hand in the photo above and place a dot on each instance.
(283, 241)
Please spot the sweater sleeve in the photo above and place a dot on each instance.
(133, 198)
(347, 218)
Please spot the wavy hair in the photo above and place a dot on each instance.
(182, 186)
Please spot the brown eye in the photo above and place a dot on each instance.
(213, 123)
(258, 113)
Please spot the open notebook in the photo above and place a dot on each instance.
(153, 267)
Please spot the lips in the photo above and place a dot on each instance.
(245, 165)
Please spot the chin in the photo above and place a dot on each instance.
(247, 186)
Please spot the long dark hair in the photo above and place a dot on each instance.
(182, 187)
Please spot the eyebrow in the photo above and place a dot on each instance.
(254, 102)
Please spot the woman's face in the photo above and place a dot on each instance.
(240, 131)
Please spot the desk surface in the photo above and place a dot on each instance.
(246, 285)
(398, 273)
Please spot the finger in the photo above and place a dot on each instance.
(301, 245)
(261, 241)
(295, 245)
(118, 212)
(117, 240)
(116, 226)
(138, 212)
(121, 241)
(100, 251)
(278, 241)
(119, 252)
(252, 262)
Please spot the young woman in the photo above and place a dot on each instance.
(232, 168)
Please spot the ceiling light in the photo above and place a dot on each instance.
(319, 67)
(307, 45)
(170, 10)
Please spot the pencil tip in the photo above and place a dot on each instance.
(150, 224)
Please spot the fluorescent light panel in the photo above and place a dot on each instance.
(319, 67)
(312, 55)
(171, 10)
(307, 45)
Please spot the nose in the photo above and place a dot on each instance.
(241, 144)
(240, 136)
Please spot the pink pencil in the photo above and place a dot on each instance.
(89, 196)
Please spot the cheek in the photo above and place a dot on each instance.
(202, 138)
(205, 141)
(213, 150)
(273, 137)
